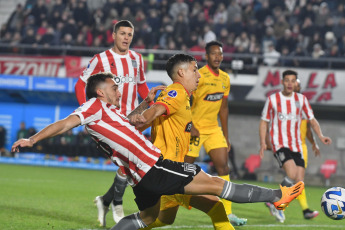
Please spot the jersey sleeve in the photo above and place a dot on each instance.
(171, 99)
(227, 86)
(89, 112)
(142, 77)
(308, 111)
(266, 112)
(93, 67)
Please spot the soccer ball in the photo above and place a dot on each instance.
(333, 203)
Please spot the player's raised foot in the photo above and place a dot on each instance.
(117, 212)
(235, 221)
(278, 214)
(102, 210)
(288, 194)
(309, 214)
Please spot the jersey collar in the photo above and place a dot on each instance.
(209, 68)
(183, 87)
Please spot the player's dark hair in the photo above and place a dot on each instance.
(212, 43)
(94, 81)
(176, 60)
(122, 23)
(289, 72)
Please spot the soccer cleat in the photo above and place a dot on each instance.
(278, 214)
(235, 221)
(102, 210)
(117, 212)
(309, 214)
(288, 194)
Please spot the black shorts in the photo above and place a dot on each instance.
(166, 177)
(284, 154)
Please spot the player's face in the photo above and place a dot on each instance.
(112, 93)
(215, 57)
(289, 83)
(297, 87)
(192, 76)
(123, 39)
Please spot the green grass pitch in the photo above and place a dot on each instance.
(56, 198)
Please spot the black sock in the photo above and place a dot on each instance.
(109, 195)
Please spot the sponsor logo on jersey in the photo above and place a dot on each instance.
(188, 127)
(284, 117)
(172, 93)
(214, 97)
(211, 84)
(123, 79)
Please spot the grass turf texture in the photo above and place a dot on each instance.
(56, 198)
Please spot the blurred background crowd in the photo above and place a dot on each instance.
(310, 28)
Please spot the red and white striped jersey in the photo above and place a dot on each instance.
(285, 116)
(129, 68)
(131, 151)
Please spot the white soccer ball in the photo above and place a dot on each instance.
(333, 203)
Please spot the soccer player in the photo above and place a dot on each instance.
(306, 133)
(210, 100)
(283, 111)
(128, 66)
(149, 174)
(171, 134)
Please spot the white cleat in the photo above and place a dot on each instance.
(278, 214)
(102, 210)
(117, 212)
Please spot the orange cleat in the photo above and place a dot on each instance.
(288, 194)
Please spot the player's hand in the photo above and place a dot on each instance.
(194, 132)
(21, 143)
(326, 140)
(316, 149)
(152, 94)
(137, 120)
(263, 147)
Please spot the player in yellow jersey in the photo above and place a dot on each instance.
(210, 100)
(306, 133)
(171, 124)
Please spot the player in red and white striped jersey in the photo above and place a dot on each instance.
(151, 174)
(283, 114)
(128, 66)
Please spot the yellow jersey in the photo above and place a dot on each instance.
(304, 124)
(171, 132)
(207, 99)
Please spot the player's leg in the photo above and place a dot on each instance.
(203, 183)
(120, 184)
(216, 147)
(138, 220)
(167, 213)
(114, 197)
(214, 208)
(302, 199)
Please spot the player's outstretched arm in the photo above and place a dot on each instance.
(51, 130)
(317, 129)
(141, 120)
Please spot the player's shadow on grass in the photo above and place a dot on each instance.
(52, 215)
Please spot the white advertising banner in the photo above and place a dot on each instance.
(326, 87)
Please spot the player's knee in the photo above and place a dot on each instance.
(223, 169)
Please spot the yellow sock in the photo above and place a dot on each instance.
(302, 199)
(155, 224)
(219, 218)
(227, 204)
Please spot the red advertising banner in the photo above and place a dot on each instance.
(29, 65)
